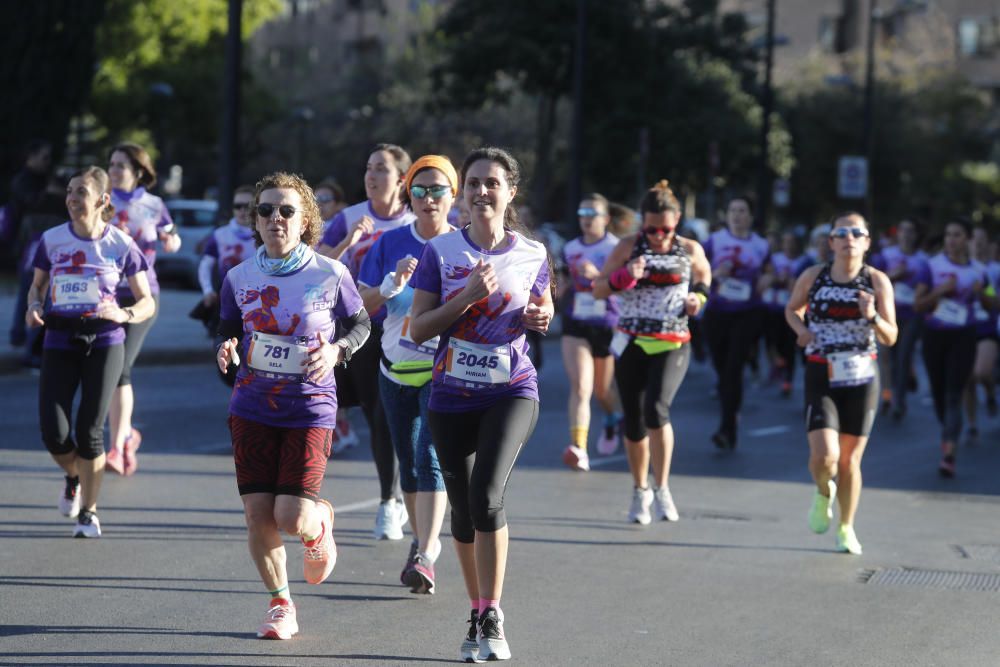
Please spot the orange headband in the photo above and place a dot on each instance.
(439, 162)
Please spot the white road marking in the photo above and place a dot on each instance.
(360, 505)
(606, 460)
(770, 430)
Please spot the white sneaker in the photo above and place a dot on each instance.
(345, 437)
(87, 525)
(69, 501)
(492, 642)
(607, 443)
(390, 520)
(663, 505)
(576, 458)
(641, 501)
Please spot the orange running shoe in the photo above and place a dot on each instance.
(279, 622)
(130, 461)
(113, 461)
(321, 554)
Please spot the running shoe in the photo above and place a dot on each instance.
(279, 622)
(786, 389)
(822, 508)
(69, 501)
(470, 645)
(847, 541)
(663, 505)
(87, 525)
(946, 468)
(576, 458)
(898, 413)
(724, 440)
(344, 437)
(114, 462)
(404, 575)
(639, 511)
(492, 643)
(607, 444)
(320, 556)
(130, 462)
(390, 520)
(420, 578)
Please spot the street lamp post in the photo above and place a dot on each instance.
(576, 160)
(228, 153)
(868, 134)
(767, 106)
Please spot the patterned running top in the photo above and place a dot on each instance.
(655, 306)
(835, 316)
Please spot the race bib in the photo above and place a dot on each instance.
(586, 307)
(427, 347)
(769, 295)
(849, 369)
(951, 312)
(618, 343)
(980, 314)
(904, 294)
(475, 365)
(75, 292)
(732, 289)
(282, 357)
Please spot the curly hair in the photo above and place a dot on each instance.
(312, 222)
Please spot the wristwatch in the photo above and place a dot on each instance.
(347, 353)
(875, 319)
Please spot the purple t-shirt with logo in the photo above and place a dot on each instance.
(84, 273)
(483, 356)
(282, 317)
(956, 310)
(141, 215)
(891, 259)
(229, 245)
(582, 306)
(747, 257)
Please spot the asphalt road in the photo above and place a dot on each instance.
(739, 580)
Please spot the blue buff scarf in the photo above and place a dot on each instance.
(295, 260)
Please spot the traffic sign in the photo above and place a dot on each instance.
(852, 177)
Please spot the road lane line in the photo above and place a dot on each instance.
(606, 460)
(770, 430)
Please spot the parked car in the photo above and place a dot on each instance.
(195, 220)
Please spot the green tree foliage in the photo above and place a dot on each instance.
(46, 67)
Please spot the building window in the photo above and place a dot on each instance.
(978, 36)
(828, 33)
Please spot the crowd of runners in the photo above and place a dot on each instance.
(421, 305)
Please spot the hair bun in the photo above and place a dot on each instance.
(662, 184)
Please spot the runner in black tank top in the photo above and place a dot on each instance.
(850, 306)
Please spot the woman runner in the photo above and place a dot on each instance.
(850, 306)
(661, 279)
(280, 311)
(480, 288)
(79, 266)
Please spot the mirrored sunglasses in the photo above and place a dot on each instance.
(844, 232)
(435, 191)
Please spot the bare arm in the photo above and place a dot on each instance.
(617, 259)
(795, 309)
(36, 299)
(430, 317)
(886, 330)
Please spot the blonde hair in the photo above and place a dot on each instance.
(312, 221)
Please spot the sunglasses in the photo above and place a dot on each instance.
(435, 191)
(587, 212)
(844, 232)
(655, 231)
(325, 199)
(239, 206)
(286, 211)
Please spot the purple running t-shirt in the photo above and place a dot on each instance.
(282, 317)
(583, 307)
(84, 273)
(954, 311)
(142, 216)
(889, 261)
(483, 356)
(747, 257)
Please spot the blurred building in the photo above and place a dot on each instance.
(961, 34)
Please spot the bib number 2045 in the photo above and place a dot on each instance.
(474, 360)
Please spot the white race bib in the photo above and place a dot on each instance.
(849, 369)
(278, 356)
(428, 347)
(73, 291)
(904, 294)
(951, 312)
(586, 307)
(618, 343)
(769, 295)
(733, 289)
(476, 365)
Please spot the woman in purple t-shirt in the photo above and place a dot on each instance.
(79, 266)
(480, 288)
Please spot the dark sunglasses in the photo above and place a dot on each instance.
(239, 206)
(844, 232)
(325, 199)
(587, 212)
(655, 231)
(286, 211)
(435, 191)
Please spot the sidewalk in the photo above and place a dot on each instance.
(174, 338)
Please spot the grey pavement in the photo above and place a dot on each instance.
(739, 580)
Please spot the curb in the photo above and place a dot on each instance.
(10, 362)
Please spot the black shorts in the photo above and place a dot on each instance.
(848, 410)
(597, 336)
(282, 461)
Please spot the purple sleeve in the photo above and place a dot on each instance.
(372, 267)
(165, 219)
(228, 309)
(135, 260)
(41, 260)
(542, 279)
(922, 276)
(427, 277)
(211, 247)
(337, 231)
(877, 261)
(348, 300)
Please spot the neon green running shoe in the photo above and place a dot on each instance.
(822, 509)
(847, 541)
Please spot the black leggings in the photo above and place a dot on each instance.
(781, 337)
(730, 337)
(902, 357)
(358, 385)
(647, 385)
(96, 372)
(135, 336)
(949, 356)
(477, 450)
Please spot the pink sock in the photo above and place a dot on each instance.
(485, 604)
(475, 605)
